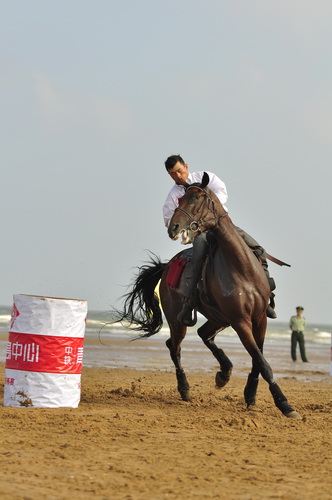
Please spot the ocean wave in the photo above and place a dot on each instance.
(97, 324)
(323, 334)
(5, 319)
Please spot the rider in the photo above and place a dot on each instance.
(178, 170)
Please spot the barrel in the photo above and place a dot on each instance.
(44, 353)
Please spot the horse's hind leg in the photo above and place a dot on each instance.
(175, 352)
(207, 332)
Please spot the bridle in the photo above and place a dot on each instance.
(195, 225)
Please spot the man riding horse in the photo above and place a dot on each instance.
(178, 170)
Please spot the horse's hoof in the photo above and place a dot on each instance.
(185, 396)
(293, 414)
(250, 399)
(222, 379)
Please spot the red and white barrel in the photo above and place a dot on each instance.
(45, 352)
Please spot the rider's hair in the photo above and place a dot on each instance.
(172, 161)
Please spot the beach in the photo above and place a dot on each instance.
(132, 438)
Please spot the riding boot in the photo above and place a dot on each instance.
(192, 274)
(185, 315)
(261, 256)
(270, 312)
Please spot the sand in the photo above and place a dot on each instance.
(132, 438)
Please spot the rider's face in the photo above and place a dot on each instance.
(179, 173)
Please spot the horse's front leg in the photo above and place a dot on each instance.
(207, 332)
(175, 352)
(260, 365)
(250, 389)
(280, 399)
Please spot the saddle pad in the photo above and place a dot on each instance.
(175, 270)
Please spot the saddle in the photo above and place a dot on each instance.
(176, 268)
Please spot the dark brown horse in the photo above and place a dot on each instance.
(233, 292)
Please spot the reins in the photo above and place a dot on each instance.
(195, 225)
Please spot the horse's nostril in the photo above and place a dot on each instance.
(173, 230)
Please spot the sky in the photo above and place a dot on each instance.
(96, 95)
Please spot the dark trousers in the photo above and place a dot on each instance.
(298, 337)
(193, 268)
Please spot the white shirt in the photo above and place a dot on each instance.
(172, 201)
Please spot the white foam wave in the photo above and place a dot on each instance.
(5, 318)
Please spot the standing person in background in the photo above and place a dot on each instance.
(297, 325)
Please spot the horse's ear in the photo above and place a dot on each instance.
(205, 180)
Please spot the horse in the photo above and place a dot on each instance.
(233, 291)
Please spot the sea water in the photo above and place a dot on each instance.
(108, 344)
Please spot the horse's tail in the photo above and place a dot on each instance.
(141, 306)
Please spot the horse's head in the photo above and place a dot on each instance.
(199, 209)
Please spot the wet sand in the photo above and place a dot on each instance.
(132, 438)
(152, 354)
